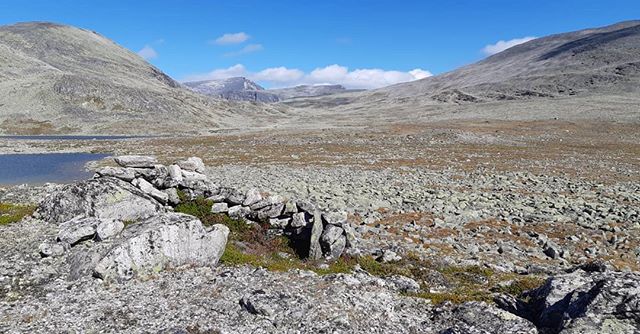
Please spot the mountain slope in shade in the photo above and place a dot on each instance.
(235, 89)
(602, 60)
(61, 79)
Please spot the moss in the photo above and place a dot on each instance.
(521, 284)
(457, 296)
(12, 213)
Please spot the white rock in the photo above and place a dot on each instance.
(252, 196)
(175, 173)
(193, 164)
(108, 228)
(138, 161)
(163, 241)
(220, 208)
(172, 195)
(78, 229)
(149, 189)
(51, 249)
(126, 174)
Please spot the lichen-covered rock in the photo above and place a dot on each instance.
(478, 318)
(193, 164)
(102, 198)
(251, 197)
(315, 250)
(126, 174)
(166, 240)
(138, 161)
(220, 208)
(588, 302)
(150, 190)
(108, 228)
(78, 229)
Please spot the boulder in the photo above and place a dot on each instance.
(252, 196)
(108, 228)
(335, 218)
(102, 198)
(163, 241)
(300, 219)
(77, 230)
(172, 196)
(279, 222)
(587, 302)
(239, 211)
(315, 250)
(272, 211)
(220, 208)
(175, 173)
(149, 189)
(126, 174)
(330, 234)
(480, 318)
(51, 249)
(138, 161)
(193, 164)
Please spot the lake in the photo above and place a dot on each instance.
(48, 167)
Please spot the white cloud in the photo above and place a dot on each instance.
(232, 38)
(500, 46)
(332, 74)
(148, 53)
(247, 49)
(278, 75)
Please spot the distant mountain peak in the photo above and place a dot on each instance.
(235, 88)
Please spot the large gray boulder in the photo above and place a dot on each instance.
(162, 241)
(104, 197)
(478, 318)
(588, 302)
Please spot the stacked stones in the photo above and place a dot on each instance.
(314, 234)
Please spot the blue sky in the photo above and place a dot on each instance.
(280, 43)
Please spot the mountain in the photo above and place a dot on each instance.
(235, 89)
(309, 91)
(61, 79)
(602, 60)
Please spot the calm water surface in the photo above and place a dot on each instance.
(42, 168)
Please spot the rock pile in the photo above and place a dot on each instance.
(316, 234)
(142, 194)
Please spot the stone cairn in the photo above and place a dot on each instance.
(314, 234)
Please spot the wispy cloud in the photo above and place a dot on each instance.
(332, 74)
(232, 38)
(250, 48)
(148, 53)
(500, 46)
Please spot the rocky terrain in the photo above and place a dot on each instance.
(114, 243)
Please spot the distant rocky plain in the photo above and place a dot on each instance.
(475, 204)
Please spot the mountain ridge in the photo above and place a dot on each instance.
(62, 79)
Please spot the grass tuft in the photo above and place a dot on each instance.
(12, 213)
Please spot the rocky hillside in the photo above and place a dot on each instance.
(235, 89)
(309, 91)
(243, 89)
(601, 60)
(62, 79)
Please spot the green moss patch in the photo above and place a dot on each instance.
(12, 213)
